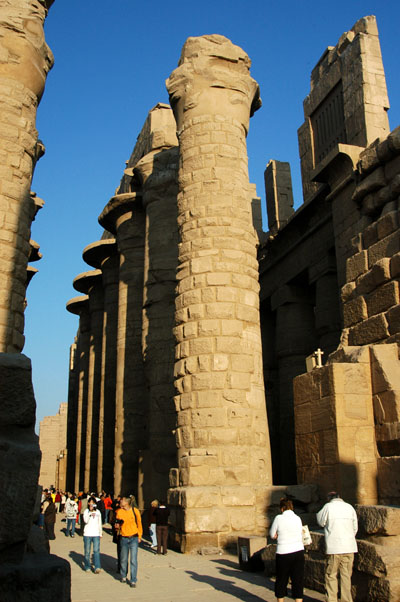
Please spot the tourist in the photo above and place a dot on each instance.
(152, 524)
(287, 529)
(108, 506)
(49, 511)
(57, 501)
(161, 514)
(340, 524)
(91, 535)
(129, 525)
(71, 511)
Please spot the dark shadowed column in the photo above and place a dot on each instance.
(91, 284)
(103, 254)
(124, 217)
(159, 174)
(80, 307)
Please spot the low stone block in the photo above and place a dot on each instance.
(378, 520)
(386, 247)
(383, 298)
(249, 552)
(200, 497)
(198, 520)
(387, 224)
(350, 354)
(393, 319)
(376, 276)
(17, 402)
(385, 368)
(356, 265)
(354, 311)
(389, 480)
(371, 330)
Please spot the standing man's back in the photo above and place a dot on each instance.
(340, 524)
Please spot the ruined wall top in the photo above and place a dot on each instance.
(212, 62)
(348, 100)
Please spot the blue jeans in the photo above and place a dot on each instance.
(87, 542)
(107, 512)
(129, 544)
(70, 530)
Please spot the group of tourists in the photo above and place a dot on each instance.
(339, 521)
(89, 512)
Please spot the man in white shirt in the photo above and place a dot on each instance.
(340, 524)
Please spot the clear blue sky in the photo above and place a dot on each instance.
(111, 62)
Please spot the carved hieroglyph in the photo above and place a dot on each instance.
(222, 431)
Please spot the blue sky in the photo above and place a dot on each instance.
(111, 62)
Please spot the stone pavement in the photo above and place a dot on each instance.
(172, 578)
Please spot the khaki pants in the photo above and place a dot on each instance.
(342, 564)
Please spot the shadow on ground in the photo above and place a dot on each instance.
(229, 568)
(228, 587)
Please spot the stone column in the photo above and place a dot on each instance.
(159, 174)
(125, 218)
(72, 416)
(222, 431)
(103, 254)
(80, 307)
(91, 284)
(295, 339)
(25, 62)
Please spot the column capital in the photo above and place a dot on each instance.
(86, 280)
(213, 77)
(116, 207)
(96, 252)
(77, 305)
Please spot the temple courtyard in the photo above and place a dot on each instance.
(170, 578)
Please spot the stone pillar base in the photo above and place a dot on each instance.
(215, 516)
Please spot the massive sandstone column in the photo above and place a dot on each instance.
(222, 432)
(25, 60)
(91, 284)
(125, 218)
(160, 188)
(103, 255)
(80, 306)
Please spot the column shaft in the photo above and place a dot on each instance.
(222, 433)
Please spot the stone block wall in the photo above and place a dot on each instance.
(335, 435)
(371, 292)
(52, 443)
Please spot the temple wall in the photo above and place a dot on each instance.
(52, 443)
